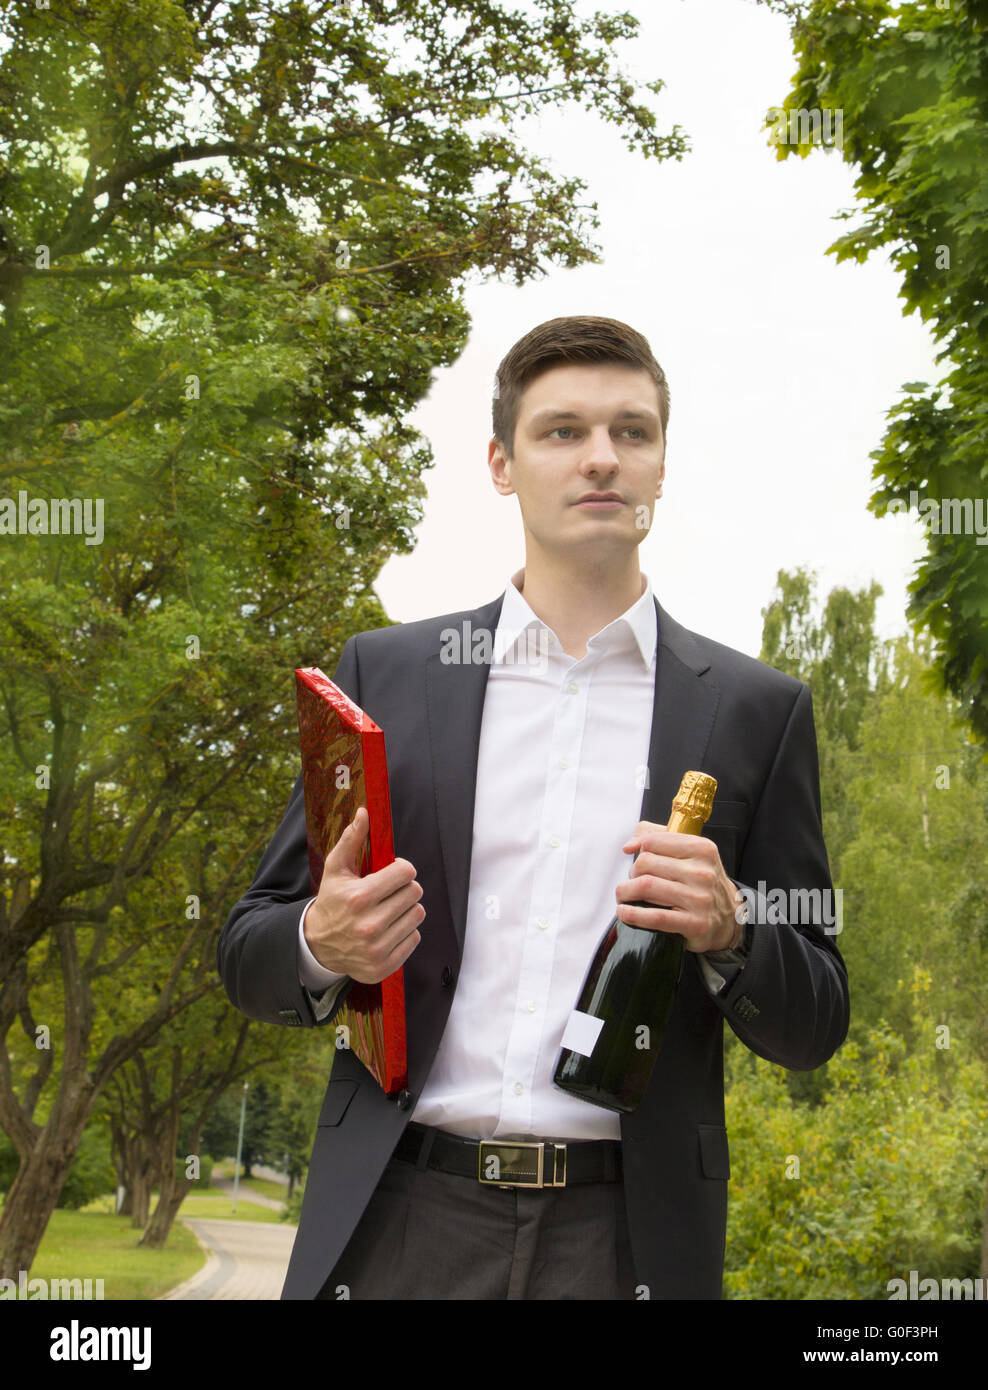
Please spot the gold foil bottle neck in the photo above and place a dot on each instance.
(692, 804)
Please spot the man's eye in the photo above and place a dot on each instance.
(567, 431)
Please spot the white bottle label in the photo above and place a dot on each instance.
(581, 1033)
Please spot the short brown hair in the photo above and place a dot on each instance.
(581, 338)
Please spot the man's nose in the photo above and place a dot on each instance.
(600, 452)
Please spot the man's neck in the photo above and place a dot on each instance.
(577, 602)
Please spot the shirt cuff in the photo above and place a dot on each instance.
(717, 975)
(719, 968)
(313, 976)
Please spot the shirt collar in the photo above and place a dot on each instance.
(637, 627)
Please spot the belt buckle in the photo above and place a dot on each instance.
(489, 1167)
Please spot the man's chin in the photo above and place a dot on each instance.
(597, 544)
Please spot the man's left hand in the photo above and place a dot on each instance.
(683, 876)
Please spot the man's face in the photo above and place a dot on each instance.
(585, 428)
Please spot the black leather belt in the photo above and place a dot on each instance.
(512, 1162)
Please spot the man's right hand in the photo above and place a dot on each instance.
(363, 927)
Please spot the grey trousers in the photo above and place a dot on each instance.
(426, 1234)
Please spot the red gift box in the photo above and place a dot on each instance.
(344, 766)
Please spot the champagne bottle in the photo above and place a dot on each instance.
(612, 1037)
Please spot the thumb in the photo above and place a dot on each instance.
(348, 852)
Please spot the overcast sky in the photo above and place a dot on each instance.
(781, 363)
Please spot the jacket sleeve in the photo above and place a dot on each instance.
(790, 1002)
(258, 951)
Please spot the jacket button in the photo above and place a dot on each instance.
(746, 1008)
(447, 975)
(404, 1100)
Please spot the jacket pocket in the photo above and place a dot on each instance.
(736, 814)
(715, 1158)
(727, 827)
(339, 1094)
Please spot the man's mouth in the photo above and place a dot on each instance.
(603, 500)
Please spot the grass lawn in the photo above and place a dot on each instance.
(219, 1206)
(100, 1245)
(265, 1187)
(209, 1203)
(95, 1243)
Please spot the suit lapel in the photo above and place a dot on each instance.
(683, 712)
(454, 706)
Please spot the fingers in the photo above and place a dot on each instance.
(652, 918)
(406, 937)
(390, 910)
(641, 832)
(364, 926)
(673, 844)
(347, 855)
(660, 892)
(379, 949)
(699, 873)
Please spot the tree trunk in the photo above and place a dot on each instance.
(134, 1174)
(119, 1161)
(40, 1179)
(171, 1194)
(142, 1181)
(171, 1187)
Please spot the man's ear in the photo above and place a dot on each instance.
(500, 466)
(662, 474)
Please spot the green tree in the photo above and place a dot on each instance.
(234, 242)
(282, 1110)
(262, 1102)
(886, 1175)
(915, 875)
(906, 824)
(911, 82)
(158, 1103)
(836, 652)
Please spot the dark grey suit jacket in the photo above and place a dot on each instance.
(716, 710)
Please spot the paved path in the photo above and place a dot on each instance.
(244, 1194)
(260, 1171)
(247, 1259)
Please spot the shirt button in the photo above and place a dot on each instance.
(518, 1088)
(553, 842)
(542, 923)
(573, 688)
(563, 763)
(530, 1005)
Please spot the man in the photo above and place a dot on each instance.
(521, 784)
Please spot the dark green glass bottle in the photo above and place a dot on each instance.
(612, 1038)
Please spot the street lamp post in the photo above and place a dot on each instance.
(240, 1145)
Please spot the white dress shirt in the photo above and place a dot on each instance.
(562, 766)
